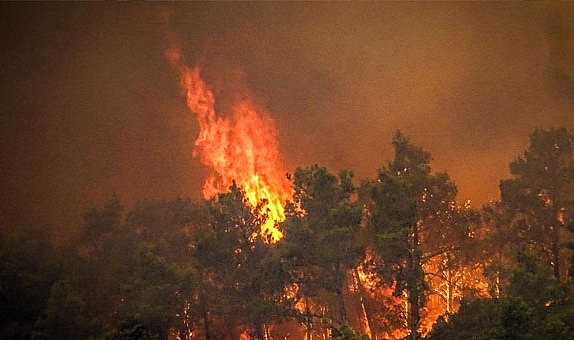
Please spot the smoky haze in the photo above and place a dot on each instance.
(91, 107)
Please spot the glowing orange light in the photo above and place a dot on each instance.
(241, 147)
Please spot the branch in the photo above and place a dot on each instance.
(430, 255)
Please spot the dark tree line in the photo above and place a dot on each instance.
(392, 257)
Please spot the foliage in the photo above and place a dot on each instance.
(29, 265)
(130, 329)
(234, 260)
(321, 242)
(349, 260)
(540, 195)
(534, 305)
(412, 220)
(66, 315)
(345, 332)
(507, 318)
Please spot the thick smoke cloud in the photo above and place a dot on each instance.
(560, 34)
(91, 106)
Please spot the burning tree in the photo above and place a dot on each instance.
(373, 263)
(415, 227)
(321, 244)
(239, 144)
(235, 294)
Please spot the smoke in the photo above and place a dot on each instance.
(559, 32)
(92, 107)
(468, 82)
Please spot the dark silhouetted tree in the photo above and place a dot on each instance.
(540, 194)
(234, 292)
(29, 265)
(407, 208)
(66, 315)
(321, 244)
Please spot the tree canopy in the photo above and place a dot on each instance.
(394, 257)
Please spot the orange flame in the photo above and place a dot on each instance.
(241, 147)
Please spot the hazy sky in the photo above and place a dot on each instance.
(90, 106)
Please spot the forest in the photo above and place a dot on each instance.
(393, 257)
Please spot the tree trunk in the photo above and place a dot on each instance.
(205, 313)
(414, 317)
(267, 333)
(556, 251)
(369, 331)
(450, 289)
(413, 284)
(307, 319)
(340, 296)
(259, 332)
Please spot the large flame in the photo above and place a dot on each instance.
(240, 147)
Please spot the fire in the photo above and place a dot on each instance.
(239, 146)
